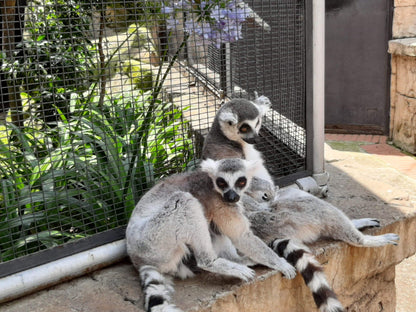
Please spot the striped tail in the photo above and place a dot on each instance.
(157, 290)
(304, 261)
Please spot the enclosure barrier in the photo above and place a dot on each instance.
(102, 98)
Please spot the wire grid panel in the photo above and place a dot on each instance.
(93, 113)
(102, 98)
(270, 59)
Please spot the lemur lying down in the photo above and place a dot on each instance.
(285, 219)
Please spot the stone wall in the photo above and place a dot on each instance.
(403, 76)
(363, 279)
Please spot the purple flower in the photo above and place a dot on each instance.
(167, 10)
(219, 21)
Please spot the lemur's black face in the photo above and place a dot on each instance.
(246, 130)
(230, 176)
(231, 193)
(240, 119)
(230, 179)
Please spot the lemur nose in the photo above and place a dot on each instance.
(231, 196)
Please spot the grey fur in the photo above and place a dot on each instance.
(286, 219)
(172, 220)
(225, 140)
(299, 215)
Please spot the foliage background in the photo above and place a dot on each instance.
(84, 153)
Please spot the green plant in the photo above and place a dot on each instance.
(55, 57)
(69, 181)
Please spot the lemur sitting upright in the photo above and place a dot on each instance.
(235, 128)
(285, 219)
(181, 215)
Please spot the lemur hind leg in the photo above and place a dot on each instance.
(348, 232)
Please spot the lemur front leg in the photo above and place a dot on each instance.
(254, 248)
(236, 226)
(364, 223)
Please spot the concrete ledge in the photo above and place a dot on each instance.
(363, 278)
(362, 184)
(405, 46)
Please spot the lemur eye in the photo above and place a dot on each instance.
(241, 182)
(244, 128)
(221, 183)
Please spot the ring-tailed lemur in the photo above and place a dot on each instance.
(234, 131)
(296, 217)
(293, 217)
(182, 214)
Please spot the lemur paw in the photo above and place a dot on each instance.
(391, 238)
(365, 223)
(246, 274)
(287, 270)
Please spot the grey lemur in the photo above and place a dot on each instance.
(183, 214)
(285, 219)
(234, 131)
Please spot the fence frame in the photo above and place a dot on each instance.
(315, 37)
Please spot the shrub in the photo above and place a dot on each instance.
(86, 174)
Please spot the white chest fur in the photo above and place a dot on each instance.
(251, 153)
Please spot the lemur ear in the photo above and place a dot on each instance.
(228, 117)
(209, 166)
(262, 103)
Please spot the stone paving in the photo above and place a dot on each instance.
(377, 145)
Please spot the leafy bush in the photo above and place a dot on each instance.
(86, 174)
(55, 57)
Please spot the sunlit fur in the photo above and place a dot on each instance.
(185, 215)
(285, 219)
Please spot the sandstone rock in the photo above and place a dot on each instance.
(405, 46)
(404, 124)
(404, 22)
(406, 76)
(140, 74)
(398, 3)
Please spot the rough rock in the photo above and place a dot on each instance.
(403, 22)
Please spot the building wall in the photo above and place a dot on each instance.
(403, 76)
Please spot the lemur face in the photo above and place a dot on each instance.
(240, 120)
(248, 130)
(230, 189)
(230, 176)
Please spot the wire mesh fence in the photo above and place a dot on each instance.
(102, 98)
